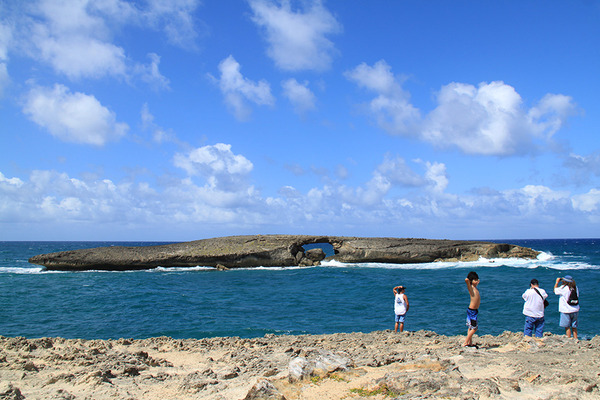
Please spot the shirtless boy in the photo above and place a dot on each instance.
(472, 280)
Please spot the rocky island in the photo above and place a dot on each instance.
(277, 250)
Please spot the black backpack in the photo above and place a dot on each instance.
(573, 299)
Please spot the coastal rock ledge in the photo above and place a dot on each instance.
(276, 250)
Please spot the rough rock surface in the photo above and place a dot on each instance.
(378, 365)
(276, 250)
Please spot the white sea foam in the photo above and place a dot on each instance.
(180, 269)
(543, 256)
(274, 268)
(21, 270)
(544, 260)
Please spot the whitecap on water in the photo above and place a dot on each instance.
(21, 270)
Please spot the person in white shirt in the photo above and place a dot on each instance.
(568, 304)
(533, 309)
(400, 307)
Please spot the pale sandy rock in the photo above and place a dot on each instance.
(378, 365)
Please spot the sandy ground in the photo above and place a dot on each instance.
(377, 365)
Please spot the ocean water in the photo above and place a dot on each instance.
(202, 302)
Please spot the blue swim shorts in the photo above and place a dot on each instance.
(568, 320)
(400, 318)
(472, 318)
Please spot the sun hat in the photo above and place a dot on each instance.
(568, 278)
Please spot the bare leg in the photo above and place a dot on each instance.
(575, 333)
(469, 339)
(568, 332)
(396, 327)
(402, 327)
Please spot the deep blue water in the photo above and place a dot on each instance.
(200, 302)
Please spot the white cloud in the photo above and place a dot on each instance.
(391, 108)
(299, 95)
(538, 200)
(175, 17)
(75, 41)
(73, 117)
(587, 202)
(490, 119)
(5, 38)
(550, 114)
(238, 90)
(436, 174)
(397, 172)
(222, 169)
(4, 78)
(159, 134)
(12, 182)
(79, 57)
(297, 40)
(76, 37)
(378, 78)
(396, 201)
(150, 73)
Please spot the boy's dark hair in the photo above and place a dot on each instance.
(472, 276)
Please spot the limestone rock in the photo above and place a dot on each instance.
(264, 390)
(319, 363)
(315, 254)
(275, 250)
(9, 392)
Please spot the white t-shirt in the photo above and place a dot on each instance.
(564, 291)
(399, 304)
(534, 304)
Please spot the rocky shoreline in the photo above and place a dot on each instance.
(277, 250)
(377, 365)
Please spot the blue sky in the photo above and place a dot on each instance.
(185, 119)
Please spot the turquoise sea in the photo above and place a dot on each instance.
(202, 302)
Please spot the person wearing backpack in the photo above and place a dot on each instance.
(568, 304)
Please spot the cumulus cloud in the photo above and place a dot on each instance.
(73, 117)
(10, 182)
(488, 119)
(76, 37)
(222, 169)
(396, 199)
(301, 97)
(297, 40)
(74, 40)
(238, 90)
(391, 108)
(587, 202)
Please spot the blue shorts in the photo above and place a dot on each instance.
(569, 320)
(472, 318)
(400, 318)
